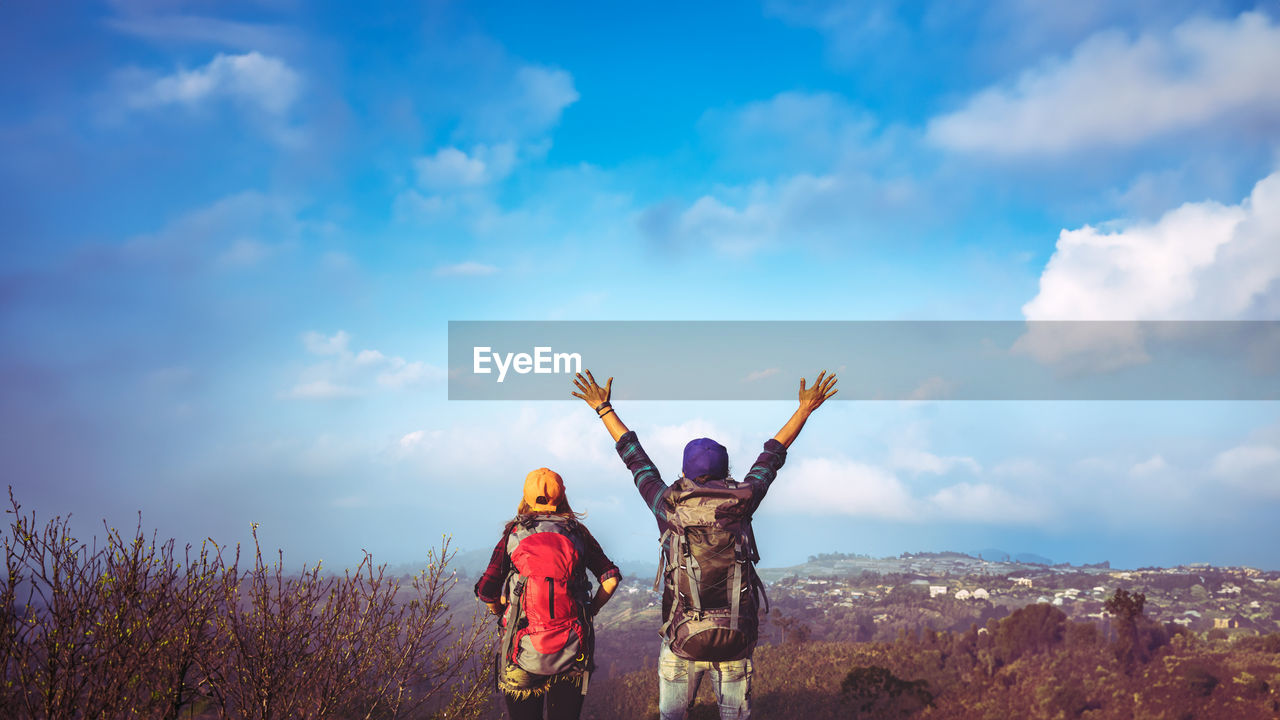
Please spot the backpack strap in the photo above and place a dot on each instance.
(735, 597)
(758, 584)
(691, 689)
(694, 571)
(662, 558)
(513, 603)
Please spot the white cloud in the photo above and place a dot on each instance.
(236, 231)
(915, 460)
(1116, 91)
(259, 81)
(527, 104)
(1151, 466)
(1201, 261)
(541, 95)
(833, 174)
(761, 374)
(1253, 467)
(320, 344)
(469, 268)
(847, 204)
(826, 486)
(823, 486)
(1245, 459)
(415, 438)
(451, 169)
(934, 388)
(403, 374)
(345, 373)
(1146, 271)
(984, 503)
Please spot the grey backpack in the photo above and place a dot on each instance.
(712, 593)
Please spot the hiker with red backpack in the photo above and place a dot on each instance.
(711, 593)
(537, 582)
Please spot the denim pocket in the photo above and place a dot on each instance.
(673, 668)
(732, 671)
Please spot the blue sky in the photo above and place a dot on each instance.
(235, 234)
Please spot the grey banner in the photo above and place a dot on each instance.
(875, 360)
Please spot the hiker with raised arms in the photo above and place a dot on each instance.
(537, 581)
(711, 593)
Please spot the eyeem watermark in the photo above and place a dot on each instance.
(875, 360)
(542, 362)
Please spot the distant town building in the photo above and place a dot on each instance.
(936, 590)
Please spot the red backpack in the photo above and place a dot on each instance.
(546, 630)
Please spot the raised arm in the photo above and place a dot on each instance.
(647, 478)
(598, 398)
(810, 399)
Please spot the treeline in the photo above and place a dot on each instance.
(1035, 663)
(133, 628)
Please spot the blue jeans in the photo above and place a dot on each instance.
(678, 681)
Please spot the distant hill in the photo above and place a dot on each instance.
(1032, 559)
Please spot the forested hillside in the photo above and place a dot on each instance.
(1034, 663)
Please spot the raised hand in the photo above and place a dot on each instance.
(812, 398)
(598, 398)
(591, 392)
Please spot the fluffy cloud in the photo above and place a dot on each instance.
(254, 80)
(1151, 466)
(1201, 261)
(915, 460)
(759, 375)
(450, 168)
(401, 373)
(834, 174)
(344, 373)
(826, 486)
(528, 105)
(235, 232)
(336, 344)
(1252, 467)
(1116, 91)
(842, 487)
(802, 208)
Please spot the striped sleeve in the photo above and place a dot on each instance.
(648, 479)
(762, 474)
